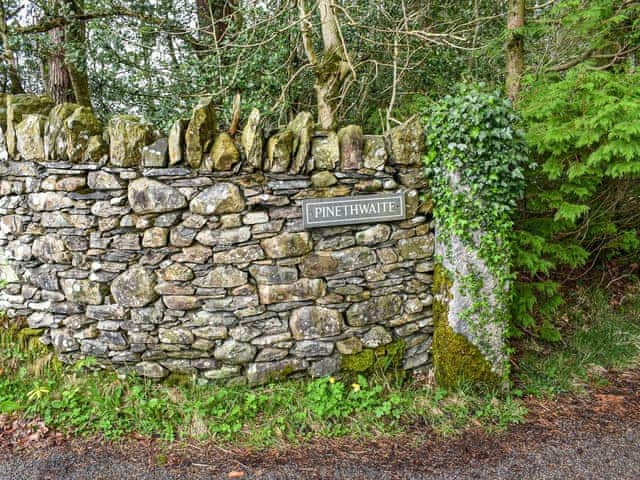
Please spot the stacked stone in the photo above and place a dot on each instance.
(188, 254)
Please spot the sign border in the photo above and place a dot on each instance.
(354, 221)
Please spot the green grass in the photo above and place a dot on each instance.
(78, 400)
(598, 336)
(83, 401)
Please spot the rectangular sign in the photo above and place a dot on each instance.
(352, 210)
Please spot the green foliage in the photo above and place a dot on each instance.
(598, 33)
(476, 162)
(600, 336)
(475, 135)
(156, 58)
(581, 205)
(78, 400)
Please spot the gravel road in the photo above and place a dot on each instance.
(573, 453)
(587, 436)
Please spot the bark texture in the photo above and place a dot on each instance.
(515, 48)
(332, 68)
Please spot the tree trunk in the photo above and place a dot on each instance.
(75, 35)
(9, 58)
(332, 69)
(515, 48)
(59, 84)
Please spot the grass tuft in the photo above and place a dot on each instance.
(602, 335)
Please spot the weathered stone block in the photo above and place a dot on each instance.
(303, 289)
(42, 320)
(151, 370)
(55, 141)
(211, 332)
(349, 346)
(239, 255)
(325, 367)
(200, 132)
(302, 127)
(181, 302)
(101, 180)
(71, 184)
(376, 337)
(224, 155)
(279, 151)
(374, 152)
(105, 312)
(235, 352)
(229, 236)
(177, 272)
(51, 249)
(287, 245)
(82, 136)
(196, 254)
(323, 179)
(176, 141)
(407, 143)
(323, 264)
(18, 106)
(134, 288)
(315, 322)
(63, 341)
(156, 155)
(81, 291)
(225, 276)
(155, 237)
(150, 196)
(48, 201)
(325, 151)
(30, 137)
(312, 348)
(373, 235)
(377, 309)
(273, 275)
(219, 199)
(260, 373)
(181, 236)
(351, 141)
(177, 336)
(416, 248)
(128, 135)
(253, 141)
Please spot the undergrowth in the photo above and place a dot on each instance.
(80, 400)
(600, 332)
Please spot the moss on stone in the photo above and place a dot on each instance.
(390, 356)
(176, 379)
(456, 360)
(358, 362)
(379, 360)
(30, 332)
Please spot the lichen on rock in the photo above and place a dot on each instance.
(200, 132)
(128, 135)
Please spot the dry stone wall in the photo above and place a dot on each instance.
(188, 254)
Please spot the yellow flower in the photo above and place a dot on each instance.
(356, 387)
(332, 380)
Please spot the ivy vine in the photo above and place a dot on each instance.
(476, 162)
